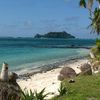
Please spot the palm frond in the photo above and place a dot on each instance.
(90, 4)
(82, 3)
(40, 95)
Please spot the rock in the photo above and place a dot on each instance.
(86, 69)
(13, 77)
(9, 91)
(60, 77)
(71, 81)
(66, 73)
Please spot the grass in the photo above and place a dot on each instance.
(85, 88)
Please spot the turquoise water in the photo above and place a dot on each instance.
(28, 53)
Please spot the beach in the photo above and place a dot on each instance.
(48, 79)
(46, 47)
(39, 61)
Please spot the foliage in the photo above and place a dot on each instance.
(27, 95)
(98, 44)
(34, 96)
(85, 88)
(96, 49)
(94, 14)
(62, 90)
(40, 95)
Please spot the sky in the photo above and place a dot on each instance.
(25, 18)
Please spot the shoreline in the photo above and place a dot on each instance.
(48, 79)
(48, 67)
(64, 46)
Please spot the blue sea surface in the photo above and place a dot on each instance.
(29, 53)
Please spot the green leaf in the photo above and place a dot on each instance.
(82, 3)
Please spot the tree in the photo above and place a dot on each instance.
(94, 14)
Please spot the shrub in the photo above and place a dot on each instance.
(40, 95)
(34, 96)
(27, 95)
(62, 90)
(98, 44)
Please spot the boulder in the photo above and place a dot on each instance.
(86, 69)
(60, 77)
(66, 73)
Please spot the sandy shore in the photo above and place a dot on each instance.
(48, 79)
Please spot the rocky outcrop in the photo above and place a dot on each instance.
(66, 73)
(86, 69)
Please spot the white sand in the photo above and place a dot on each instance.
(49, 79)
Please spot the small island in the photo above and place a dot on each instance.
(63, 34)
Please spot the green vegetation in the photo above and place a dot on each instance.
(34, 96)
(96, 50)
(98, 44)
(94, 14)
(27, 95)
(40, 95)
(62, 90)
(85, 88)
(55, 35)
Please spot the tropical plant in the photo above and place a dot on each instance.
(94, 14)
(62, 90)
(27, 95)
(40, 95)
(98, 44)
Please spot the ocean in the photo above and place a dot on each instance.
(24, 54)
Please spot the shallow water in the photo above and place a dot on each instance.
(22, 54)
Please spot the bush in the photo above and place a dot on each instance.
(34, 96)
(27, 95)
(40, 95)
(62, 90)
(96, 50)
(98, 44)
